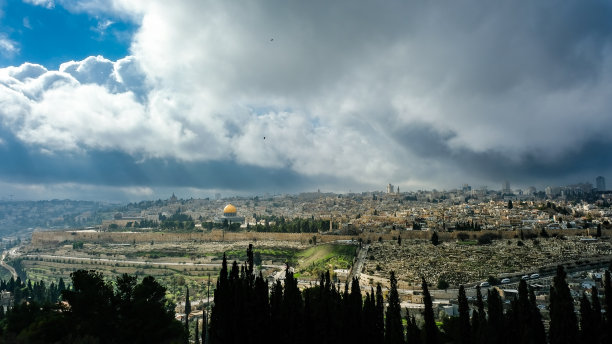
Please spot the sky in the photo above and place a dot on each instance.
(128, 100)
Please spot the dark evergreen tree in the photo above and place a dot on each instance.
(563, 324)
(538, 330)
(510, 205)
(291, 311)
(394, 332)
(379, 324)
(434, 239)
(61, 285)
(187, 309)
(413, 333)
(464, 317)
(430, 329)
(587, 331)
(526, 321)
(219, 330)
(354, 307)
(369, 318)
(261, 316)
(479, 319)
(495, 330)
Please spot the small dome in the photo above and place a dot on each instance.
(229, 209)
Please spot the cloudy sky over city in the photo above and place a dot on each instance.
(129, 100)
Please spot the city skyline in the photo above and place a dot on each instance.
(123, 100)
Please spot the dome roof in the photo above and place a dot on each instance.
(229, 209)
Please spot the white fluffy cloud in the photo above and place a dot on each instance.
(7, 46)
(368, 91)
(44, 3)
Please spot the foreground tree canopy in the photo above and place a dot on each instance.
(95, 311)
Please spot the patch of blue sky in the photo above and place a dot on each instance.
(264, 110)
(52, 36)
(259, 111)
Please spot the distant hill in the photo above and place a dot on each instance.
(22, 217)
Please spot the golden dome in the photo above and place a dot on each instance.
(229, 209)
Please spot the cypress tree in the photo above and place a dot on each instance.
(394, 332)
(435, 240)
(61, 285)
(563, 324)
(464, 317)
(355, 312)
(430, 329)
(250, 264)
(346, 328)
(495, 325)
(379, 324)
(368, 318)
(586, 320)
(187, 309)
(479, 319)
(413, 333)
(521, 311)
(539, 333)
(261, 318)
(276, 299)
(291, 311)
(219, 331)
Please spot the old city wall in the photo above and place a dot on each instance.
(57, 237)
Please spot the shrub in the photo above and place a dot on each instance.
(488, 238)
(442, 284)
(463, 236)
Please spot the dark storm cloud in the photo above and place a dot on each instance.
(593, 157)
(23, 164)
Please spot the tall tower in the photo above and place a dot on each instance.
(601, 183)
(390, 188)
(506, 187)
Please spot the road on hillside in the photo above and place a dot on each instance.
(6, 266)
(356, 269)
(136, 262)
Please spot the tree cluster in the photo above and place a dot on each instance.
(96, 311)
(467, 226)
(37, 292)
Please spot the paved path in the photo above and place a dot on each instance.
(137, 262)
(6, 266)
(356, 269)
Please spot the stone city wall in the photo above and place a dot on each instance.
(57, 237)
